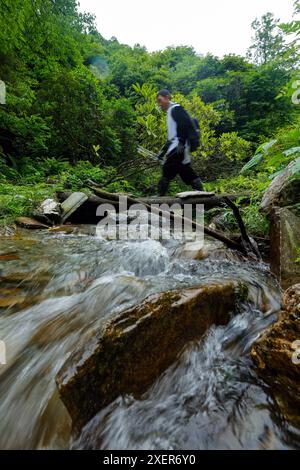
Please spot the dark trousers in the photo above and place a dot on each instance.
(172, 167)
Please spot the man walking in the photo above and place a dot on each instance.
(176, 150)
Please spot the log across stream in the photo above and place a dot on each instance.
(87, 212)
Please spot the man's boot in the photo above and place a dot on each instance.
(197, 184)
(163, 186)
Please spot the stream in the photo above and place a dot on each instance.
(56, 288)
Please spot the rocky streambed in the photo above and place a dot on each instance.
(133, 344)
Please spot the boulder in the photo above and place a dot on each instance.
(49, 212)
(285, 242)
(276, 356)
(136, 346)
(284, 189)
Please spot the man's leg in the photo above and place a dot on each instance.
(197, 184)
(169, 171)
(163, 186)
(189, 177)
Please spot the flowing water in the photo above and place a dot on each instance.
(56, 288)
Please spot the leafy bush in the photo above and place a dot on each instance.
(17, 200)
(234, 147)
(273, 156)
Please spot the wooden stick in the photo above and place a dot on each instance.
(249, 246)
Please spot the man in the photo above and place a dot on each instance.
(176, 150)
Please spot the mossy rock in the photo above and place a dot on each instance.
(284, 189)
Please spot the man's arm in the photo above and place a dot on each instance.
(182, 120)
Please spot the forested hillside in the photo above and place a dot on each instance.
(142, 323)
(78, 105)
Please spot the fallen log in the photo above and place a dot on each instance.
(212, 233)
(209, 202)
(87, 212)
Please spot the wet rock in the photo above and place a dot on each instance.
(49, 212)
(284, 189)
(291, 299)
(19, 302)
(285, 241)
(211, 249)
(63, 229)
(134, 348)
(20, 290)
(28, 222)
(80, 229)
(7, 231)
(276, 356)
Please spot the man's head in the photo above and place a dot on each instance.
(163, 99)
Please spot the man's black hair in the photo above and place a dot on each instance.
(164, 92)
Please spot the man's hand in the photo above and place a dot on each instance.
(160, 156)
(180, 148)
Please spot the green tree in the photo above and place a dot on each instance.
(268, 42)
(292, 31)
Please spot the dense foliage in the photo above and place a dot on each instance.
(78, 105)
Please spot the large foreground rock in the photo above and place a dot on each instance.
(284, 189)
(277, 357)
(285, 242)
(134, 348)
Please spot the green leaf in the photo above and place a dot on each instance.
(291, 151)
(252, 163)
(266, 146)
(296, 167)
(277, 173)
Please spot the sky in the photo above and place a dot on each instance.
(216, 26)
